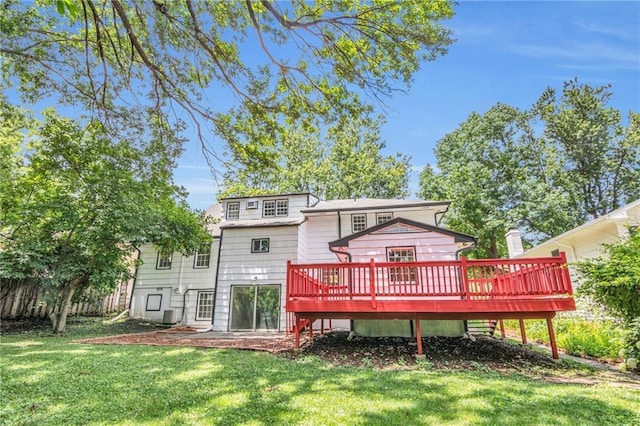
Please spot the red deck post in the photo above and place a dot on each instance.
(465, 278)
(502, 333)
(372, 283)
(297, 330)
(523, 332)
(552, 339)
(419, 337)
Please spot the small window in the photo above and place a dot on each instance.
(358, 222)
(154, 302)
(282, 207)
(233, 210)
(252, 204)
(555, 253)
(383, 217)
(202, 257)
(260, 245)
(204, 310)
(402, 274)
(164, 261)
(272, 208)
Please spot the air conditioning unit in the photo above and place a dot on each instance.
(252, 204)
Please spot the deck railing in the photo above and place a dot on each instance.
(463, 279)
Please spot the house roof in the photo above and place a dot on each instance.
(459, 237)
(369, 203)
(214, 211)
(261, 223)
(619, 215)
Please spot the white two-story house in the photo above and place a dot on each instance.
(238, 283)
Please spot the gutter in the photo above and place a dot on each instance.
(215, 287)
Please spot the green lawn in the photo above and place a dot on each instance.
(50, 380)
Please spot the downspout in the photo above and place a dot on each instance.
(339, 226)
(441, 213)
(215, 287)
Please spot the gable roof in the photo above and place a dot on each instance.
(458, 236)
(626, 214)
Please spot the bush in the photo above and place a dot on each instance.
(614, 279)
(631, 351)
(579, 336)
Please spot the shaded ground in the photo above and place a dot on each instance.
(337, 348)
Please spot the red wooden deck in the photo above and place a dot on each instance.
(462, 289)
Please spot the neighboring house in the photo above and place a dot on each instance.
(585, 241)
(239, 282)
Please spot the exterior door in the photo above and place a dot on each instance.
(255, 307)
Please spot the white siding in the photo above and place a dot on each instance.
(428, 245)
(238, 266)
(297, 203)
(178, 285)
(320, 231)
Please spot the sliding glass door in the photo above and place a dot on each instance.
(255, 307)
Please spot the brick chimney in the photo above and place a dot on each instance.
(514, 242)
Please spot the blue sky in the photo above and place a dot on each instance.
(505, 52)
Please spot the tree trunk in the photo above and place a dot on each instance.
(58, 313)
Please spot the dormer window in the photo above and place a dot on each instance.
(273, 208)
(383, 217)
(233, 210)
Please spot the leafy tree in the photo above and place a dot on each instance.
(499, 172)
(280, 60)
(482, 171)
(76, 205)
(585, 150)
(614, 278)
(343, 162)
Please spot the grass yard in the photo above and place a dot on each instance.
(52, 381)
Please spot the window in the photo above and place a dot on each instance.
(358, 222)
(164, 261)
(272, 208)
(204, 309)
(383, 217)
(233, 210)
(202, 257)
(260, 245)
(154, 301)
(555, 253)
(405, 274)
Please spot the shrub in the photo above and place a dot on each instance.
(631, 351)
(579, 336)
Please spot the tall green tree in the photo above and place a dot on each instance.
(76, 205)
(587, 151)
(345, 161)
(546, 170)
(482, 171)
(183, 59)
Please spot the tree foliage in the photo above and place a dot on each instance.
(614, 278)
(546, 170)
(183, 59)
(75, 205)
(345, 161)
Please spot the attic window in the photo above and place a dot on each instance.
(233, 210)
(555, 253)
(383, 217)
(358, 222)
(272, 208)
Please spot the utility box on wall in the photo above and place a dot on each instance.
(170, 317)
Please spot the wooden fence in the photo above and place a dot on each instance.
(22, 299)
